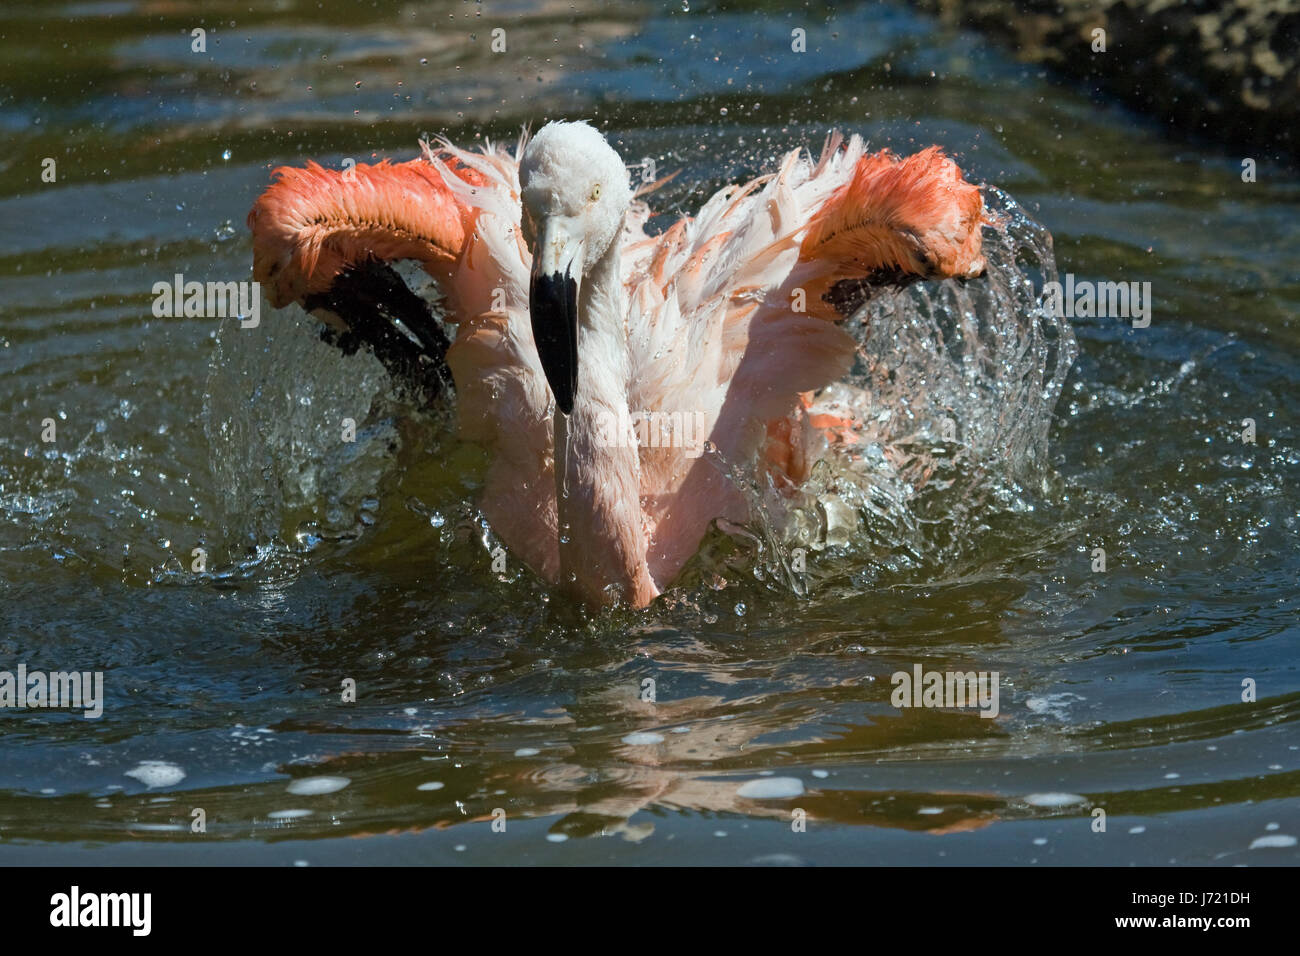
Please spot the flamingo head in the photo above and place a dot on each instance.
(575, 193)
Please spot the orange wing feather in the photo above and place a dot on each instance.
(312, 223)
(916, 215)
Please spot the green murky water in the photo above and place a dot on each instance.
(1120, 689)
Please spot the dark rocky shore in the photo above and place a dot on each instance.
(1227, 70)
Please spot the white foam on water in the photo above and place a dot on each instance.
(157, 827)
(771, 788)
(681, 730)
(821, 774)
(1274, 840)
(431, 785)
(295, 814)
(645, 739)
(157, 773)
(556, 837)
(1040, 841)
(527, 752)
(1273, 826)
(315, 786)
(1137, 829)
(1054, 799)
(1053, 705)
(930, 811)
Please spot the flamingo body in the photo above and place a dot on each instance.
(573, 322)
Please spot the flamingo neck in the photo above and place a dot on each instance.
(598, 472)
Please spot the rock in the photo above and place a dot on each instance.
(1227, 70)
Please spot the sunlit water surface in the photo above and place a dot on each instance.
(961, 536)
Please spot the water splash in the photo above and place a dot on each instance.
(954, 391)
(953, 395)
(299, 435)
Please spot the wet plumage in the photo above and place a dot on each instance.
(729, 317)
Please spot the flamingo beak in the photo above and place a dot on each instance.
(553, 306)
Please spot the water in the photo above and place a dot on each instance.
(1120, 689)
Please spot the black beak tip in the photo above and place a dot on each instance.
(553, 307)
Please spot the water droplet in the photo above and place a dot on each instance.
(1280, 840)
(643, 739)
(316, 786)
(1054, 799)
(157, 773)
(771, 788)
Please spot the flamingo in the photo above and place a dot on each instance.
(572, 322)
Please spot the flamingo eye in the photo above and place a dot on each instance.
(595, 192)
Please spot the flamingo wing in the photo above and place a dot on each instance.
(311, 224)
(324, 238)
(732, 314)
